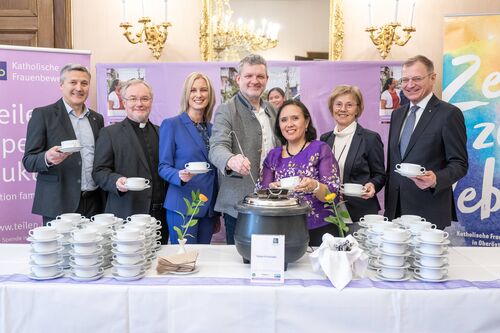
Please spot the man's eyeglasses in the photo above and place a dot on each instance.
(347, 106)
(136, 100)
(415, 79)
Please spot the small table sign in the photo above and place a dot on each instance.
(267, 264)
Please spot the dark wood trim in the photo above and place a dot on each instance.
(45, 23)
(63, 33)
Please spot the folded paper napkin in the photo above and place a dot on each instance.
(339, 266)
(184, 262)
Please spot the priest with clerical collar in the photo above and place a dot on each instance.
(126, 159)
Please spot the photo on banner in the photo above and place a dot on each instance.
(470, 81)
(391, 95)
(116, 77)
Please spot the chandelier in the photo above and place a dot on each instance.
(154, 35)
(385, 36)
(223, 39)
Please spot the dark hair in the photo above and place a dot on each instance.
(310, 131)
(387, 83)
(278, 90)
(113, 86)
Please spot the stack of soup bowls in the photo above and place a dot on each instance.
(130, 252)
(431, 255)
(45, 255)
(105, 224)
(86, 255)
(393, 254)
(64, 226)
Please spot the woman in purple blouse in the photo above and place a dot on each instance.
(304, 156)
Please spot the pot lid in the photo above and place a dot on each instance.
(261, 199)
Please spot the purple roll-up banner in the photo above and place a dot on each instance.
(29, 78)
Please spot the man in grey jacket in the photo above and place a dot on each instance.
(249, 119)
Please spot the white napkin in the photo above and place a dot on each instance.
(339, 266)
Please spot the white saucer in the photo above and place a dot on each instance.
(38, 278)
(418, 277)
(140, 239)
(97, 240)
(73, 253)
(406, 254)
(198, 171)
(404, 278)
(379, 264)
(142, 250)
(73, 264)
(70, 149)
(420, 253)
(85, 279)
(352, 194)
(131, 278)
(407, 241)
(416, 264)
(33, 240)
(117, 264)
(59, 249)
(444, 242)
(196, 270)
(137, 188)
(60, 262)
(408, 174)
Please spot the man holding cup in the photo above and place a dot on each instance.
(430, 134)
(64, 183)
(242, 136)
(126, 159)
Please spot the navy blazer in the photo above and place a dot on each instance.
(58, 188)
(364, 163)
(180, 143)
(438, 143)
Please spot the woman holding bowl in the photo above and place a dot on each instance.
(185, 139)
(303, 156)
(359, 151)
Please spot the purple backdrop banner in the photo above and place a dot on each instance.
(29, 77)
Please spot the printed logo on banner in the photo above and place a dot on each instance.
(3, 70)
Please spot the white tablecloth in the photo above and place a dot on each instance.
(220, 298)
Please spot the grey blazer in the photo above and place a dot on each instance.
(237, 115)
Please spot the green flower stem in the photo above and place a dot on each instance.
(187, 224)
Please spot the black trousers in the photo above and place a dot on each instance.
(91, 203)
(158, 212)
(315, 235)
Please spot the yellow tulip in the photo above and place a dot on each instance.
(330, 197)
(203, 197)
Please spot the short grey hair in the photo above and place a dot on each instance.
(72, 67)
(429, 65)
(133, 82)
(252, 59)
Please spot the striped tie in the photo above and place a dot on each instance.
(407, 130)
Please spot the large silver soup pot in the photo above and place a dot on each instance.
(272, 215)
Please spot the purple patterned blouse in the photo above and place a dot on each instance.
(316, 161)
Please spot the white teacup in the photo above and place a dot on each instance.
(87, 271)
(128, 233)
(62, 226)
(86, 260)
(128, 247)
(411, 218)
(435, 249)
(431, 261)
(105, 218)
(388, 260)
(70, 143)
(392, 272)
(146, 218)
(137, 182)
(84, 235)
(431, 273)
(352, 188)
(417, 227)
(129, 270)
(128, 259)
(380, 226)
(410, 168)
(197, 166)
(76, 218)
(393, 248)
(433, 235)
(45, 246)
(373, 218)
(100, 228)
(143, 226)
(46, 271)
(86, 248)
(289, 182)
(396, 234)
(45, 259)
(43, 233)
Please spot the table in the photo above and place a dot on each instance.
(220, 298)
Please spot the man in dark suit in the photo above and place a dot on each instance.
(429, 132)
(130, 149)
(64, 183)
